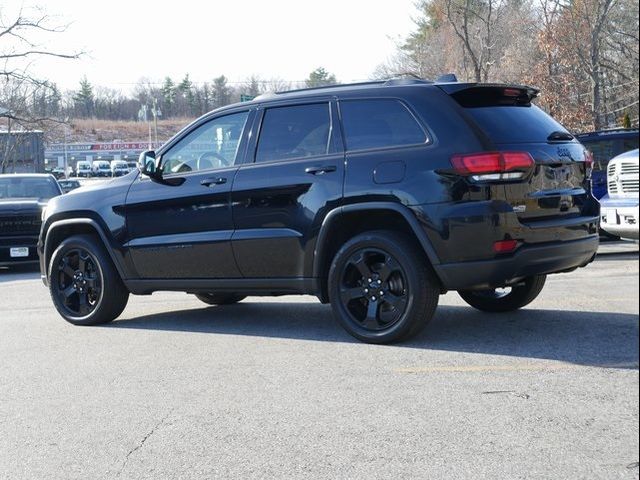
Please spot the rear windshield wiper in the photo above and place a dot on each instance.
(558, 136)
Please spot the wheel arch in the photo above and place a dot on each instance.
(61, 229)
(345, 222)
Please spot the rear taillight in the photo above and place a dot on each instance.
(488, 166)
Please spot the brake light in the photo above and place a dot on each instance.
(512, 92)
(493, 165)
(505, 246)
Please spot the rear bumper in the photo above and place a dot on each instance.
(530, 260)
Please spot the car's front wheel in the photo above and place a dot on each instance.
(505, 299)
(84, 284)
(381, 287)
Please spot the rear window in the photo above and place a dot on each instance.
(378, 124)
(515, 124)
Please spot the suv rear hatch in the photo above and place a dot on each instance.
(557, 184)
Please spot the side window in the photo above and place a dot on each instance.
(379, 123)
(212, 145)
(294, 132)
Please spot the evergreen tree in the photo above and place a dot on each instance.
(319, 78)
(84, 99)
(186, 92)
(168, 96)
(221, 92)
(253, 86)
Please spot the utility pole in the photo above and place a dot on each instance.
(155, 119)
(66, 161)
(4, 161)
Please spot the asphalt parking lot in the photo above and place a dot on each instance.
(273, 388)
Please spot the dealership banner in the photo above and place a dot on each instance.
(71, 148)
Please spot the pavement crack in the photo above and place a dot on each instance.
(142, 442)
(526, 396)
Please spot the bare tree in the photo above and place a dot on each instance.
(477, 25)
(18, 51)
(588, 23)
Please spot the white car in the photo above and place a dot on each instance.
(619, 208)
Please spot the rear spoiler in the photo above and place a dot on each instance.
(471, 95)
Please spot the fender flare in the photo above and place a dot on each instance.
(80, 221)
(406, 213)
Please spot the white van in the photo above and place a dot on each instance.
(119, 168)
(101, 168)
(83, 169)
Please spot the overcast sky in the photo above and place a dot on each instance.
(127, 40)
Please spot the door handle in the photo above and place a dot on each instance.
(207, 182)
(320, 170)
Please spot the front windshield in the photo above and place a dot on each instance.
(42, 188)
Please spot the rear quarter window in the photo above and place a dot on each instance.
(378, 124)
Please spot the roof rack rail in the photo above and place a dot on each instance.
(337, 85)
(385, 83)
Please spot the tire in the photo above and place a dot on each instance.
(498, 301)
(391, 268)
(95, 297)
(220, 298)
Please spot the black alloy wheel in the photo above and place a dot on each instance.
(84, 284)
(373, 289)
(382, 288)
(78, 282)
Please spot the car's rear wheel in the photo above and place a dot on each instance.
(505, 299)
(84, 284)
(220, 298)
(381, 287)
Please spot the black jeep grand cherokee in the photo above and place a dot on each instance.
(375, 197)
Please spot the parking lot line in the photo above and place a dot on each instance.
(512, 368)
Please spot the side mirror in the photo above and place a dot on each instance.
(147, 165)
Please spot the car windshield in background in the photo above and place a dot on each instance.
(28, 187)
(606, 146)
(69, 183)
